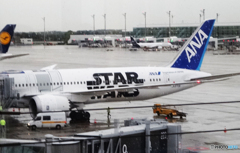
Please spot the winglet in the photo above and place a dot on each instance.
(192, 53)
(6, 36)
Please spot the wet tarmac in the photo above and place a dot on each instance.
(199, 118)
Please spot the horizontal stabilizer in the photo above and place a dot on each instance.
(215, 77)
(6, 56)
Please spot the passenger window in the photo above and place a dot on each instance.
(15, 85)
(60, 83)
(33, 84)
(81, 82)
(150, 79)
(36, 84)
(64, 83)
(26, 85)
(40, 84)
(54, 83)
(57, 83)
(38, 118)
(153, 79)
(77, 82)
(156, 79)
(43, 84)
(159, 79)
(23, 85)
(71, 82)
(45, 118)
(84, 82)
(19, 85)
(47, 84)
(30, 84)
(67, 83)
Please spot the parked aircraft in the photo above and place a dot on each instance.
(6, 36)
(70, 89)
(147, 46)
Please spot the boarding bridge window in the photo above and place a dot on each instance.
(38, 118)
(46, 118)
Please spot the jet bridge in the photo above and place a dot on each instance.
(7, 92)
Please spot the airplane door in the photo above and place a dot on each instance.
(56, 79)
(166, 77)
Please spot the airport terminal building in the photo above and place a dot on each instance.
(221, 30)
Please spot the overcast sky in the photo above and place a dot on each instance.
(63, 15)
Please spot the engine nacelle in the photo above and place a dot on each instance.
(46, 103)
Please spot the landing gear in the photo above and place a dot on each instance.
(80, 115)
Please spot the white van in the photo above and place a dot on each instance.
(48, 120)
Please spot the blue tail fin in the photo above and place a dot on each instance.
(134, 43)
(6, 37)
(192, 53)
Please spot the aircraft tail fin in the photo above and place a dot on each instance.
(6, 36)
(191, 54)
(134, 43)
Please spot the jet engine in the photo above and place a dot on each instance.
(46, 103)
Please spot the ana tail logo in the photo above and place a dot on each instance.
(192, 53)
(5, 38)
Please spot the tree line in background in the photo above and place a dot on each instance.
(63, 36)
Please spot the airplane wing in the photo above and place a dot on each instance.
(215, 77)
(6, 56)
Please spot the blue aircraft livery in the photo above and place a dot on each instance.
(6, 36)
(192, 54)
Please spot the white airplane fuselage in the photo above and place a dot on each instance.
(73, 83)
(154, 45)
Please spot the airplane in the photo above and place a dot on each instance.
(70, 90)
(5, 41)
(147, 46)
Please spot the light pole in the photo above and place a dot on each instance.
(44, 33)
(169, 13)
(93, 16)
(200, 17)
(203, 11)
(145, 23)
(125, 28)
(217, 16)
(104, 15)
